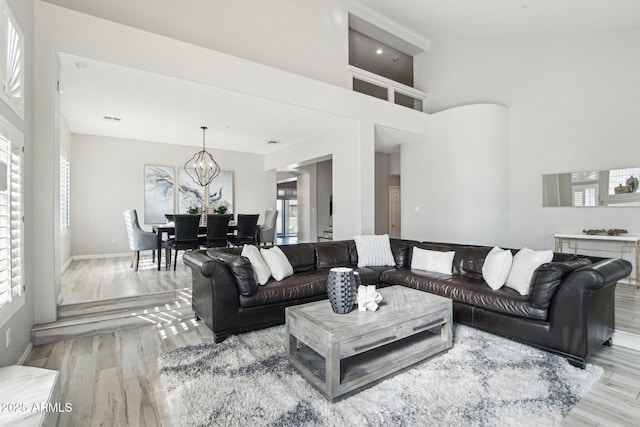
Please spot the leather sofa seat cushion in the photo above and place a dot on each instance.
(468, 261)
(294, 287)
(332, 254)
(302, 256)
(469, 291)
(241, 270)
(547, 278)
(370, 275)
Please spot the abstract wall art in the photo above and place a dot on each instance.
(158, 193)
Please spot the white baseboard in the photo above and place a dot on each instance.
(626, 339)
(98, 256)
(25, 354)
(66, 265)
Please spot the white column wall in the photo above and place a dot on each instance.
(455, 185)
(350, 149)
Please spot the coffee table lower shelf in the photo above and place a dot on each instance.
(370, 367)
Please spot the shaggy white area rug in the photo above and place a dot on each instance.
(483, 380)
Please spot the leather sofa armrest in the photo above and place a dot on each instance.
(582, 311)
(215, 294)
(199, 260)
(602, 273)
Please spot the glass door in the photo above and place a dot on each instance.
(287, 225)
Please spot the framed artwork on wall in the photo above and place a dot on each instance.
(158, 193)
(190, 194)
(220, 192)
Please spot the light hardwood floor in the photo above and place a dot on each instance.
(628, 308)
(113, 379)
(107, 278)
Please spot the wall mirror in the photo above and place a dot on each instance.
(591, 188)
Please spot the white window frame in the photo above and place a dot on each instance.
(12, 248)
(12, 52)
(65, 192)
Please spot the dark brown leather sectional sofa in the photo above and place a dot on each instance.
(569, 310)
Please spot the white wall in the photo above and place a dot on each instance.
(455, 185)
(351, 150)
(573, 102)
(107, 177)
(307, 203)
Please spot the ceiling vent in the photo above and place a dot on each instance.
(112, 119)
(273, 142)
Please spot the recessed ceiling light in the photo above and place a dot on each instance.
(379, 51)
(81, 65)
(273, 142)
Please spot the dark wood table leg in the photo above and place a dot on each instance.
(159, 242)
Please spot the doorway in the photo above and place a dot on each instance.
(394, 212)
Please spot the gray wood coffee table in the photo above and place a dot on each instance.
(341, 354)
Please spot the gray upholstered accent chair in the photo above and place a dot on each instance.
(268, 227)
(139, 240)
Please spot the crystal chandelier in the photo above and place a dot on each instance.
(201, 167)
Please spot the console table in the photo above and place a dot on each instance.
(624, 245)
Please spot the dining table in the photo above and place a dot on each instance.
(169, 229)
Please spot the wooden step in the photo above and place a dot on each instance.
(101, 306)
(101, 321)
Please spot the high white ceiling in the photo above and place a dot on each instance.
(164, 109)
(458, 19)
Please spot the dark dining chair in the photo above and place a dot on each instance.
(186, 235)
(217, 228)
(246, 233)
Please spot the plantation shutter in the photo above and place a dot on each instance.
(11, 60)
(65, 192)
(11, 224)
(17, 223)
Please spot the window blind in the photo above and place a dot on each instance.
(11, 222)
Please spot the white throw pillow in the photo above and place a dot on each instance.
(374, 251)
(496, 267)
(524, 264)
(278, 262)
(260, 268)
(436, 261)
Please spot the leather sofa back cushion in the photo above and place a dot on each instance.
(241, 270)
(302, 256)
(401, 250)
(547, 278)
(468, 261)
(332, 254)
